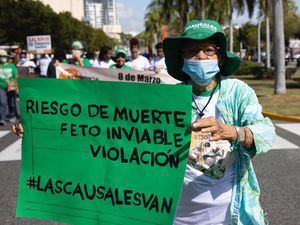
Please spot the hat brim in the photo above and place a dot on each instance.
(114, 57)
(174, 61)
(7, 56)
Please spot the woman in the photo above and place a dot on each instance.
(137, 61)
(228, 129)
(77, 50)
(24, 60)
(58, 57)
(158, 64)
(104, 60)
(120, 58)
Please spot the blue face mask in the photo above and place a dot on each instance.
(23, 60)
(201, 71)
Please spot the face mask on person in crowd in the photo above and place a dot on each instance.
(23, 60)
(201, 71)
(77, 52)
(3, 60)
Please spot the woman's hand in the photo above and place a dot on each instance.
(218, 130)
(78, 59)
(17, 129)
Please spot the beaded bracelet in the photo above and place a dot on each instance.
(245, 141)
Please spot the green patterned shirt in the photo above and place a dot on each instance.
(239, 106)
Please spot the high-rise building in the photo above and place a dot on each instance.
(103, 14)
(75, 7)
(93, 11)
(98, 13)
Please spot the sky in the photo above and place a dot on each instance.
(131, 15)
(132, 12)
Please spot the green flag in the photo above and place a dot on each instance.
(102, 152)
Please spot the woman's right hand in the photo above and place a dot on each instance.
(17, 129)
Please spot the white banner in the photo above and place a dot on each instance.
(68, 71)
(40, 44)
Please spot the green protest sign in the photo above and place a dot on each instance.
(102, 152)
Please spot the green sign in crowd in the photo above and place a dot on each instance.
(102, 152)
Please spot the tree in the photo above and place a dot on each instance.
(176, 13)
(202, 8)
(125, 38)
(259, 39)
(166, 7)
(222, 11)
(27, 17)
(182, 8)
(159, 13)
(291, 24)
(248, 36)
(265, 7)
(279, 48)
(239, 6)
(291, 20)
(198, 9)
(153, 25)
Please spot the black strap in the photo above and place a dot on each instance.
(200, 112)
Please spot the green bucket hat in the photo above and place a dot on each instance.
(198, 30)
(120, 51)
(77, 45)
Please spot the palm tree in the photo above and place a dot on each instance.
(223, 12)
(259, 39)
(279, 53)
(265, 6)
(165, 6)
(198, 9)
(230, 12)
(178, 12)
(183, 9)
(202, 2)
(153, 25)
(159, 14)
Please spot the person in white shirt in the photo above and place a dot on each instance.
(104, 60)
(92, 56)
(137, 61)
(43, 63)
(24, 60)
(158, 63)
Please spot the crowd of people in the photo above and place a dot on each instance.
(45, 66)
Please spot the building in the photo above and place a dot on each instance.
(103, 14)
(75, 7)
(93, 11)
(98, 13)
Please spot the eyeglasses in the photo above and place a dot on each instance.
(209, 50)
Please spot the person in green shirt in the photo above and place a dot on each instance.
(120, 57)
(77, 50)
(8, 88)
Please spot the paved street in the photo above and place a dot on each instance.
(278, 175)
